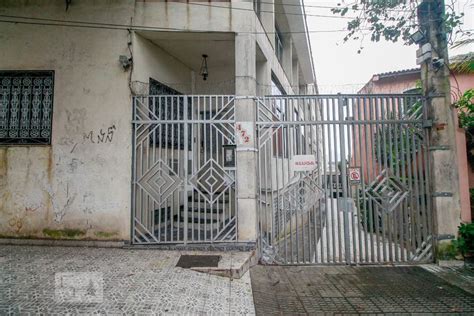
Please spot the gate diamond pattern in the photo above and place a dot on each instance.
(182, 190)
(387, 191)
(330, 216)
(160, 181)
(301, 196)
(211, 181)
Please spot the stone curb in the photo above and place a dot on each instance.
(62, 243)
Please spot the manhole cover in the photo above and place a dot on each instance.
(197, 261)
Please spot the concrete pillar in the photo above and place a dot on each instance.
(267, 18)
(443, 151)
(295, 83)
(246, 154)
(264, 78)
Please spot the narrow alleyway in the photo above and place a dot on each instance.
(295, 290)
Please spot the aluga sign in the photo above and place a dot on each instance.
(303, 163)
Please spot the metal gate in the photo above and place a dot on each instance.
(343, 179)
(183, 185)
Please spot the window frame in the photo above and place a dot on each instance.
(29, 140)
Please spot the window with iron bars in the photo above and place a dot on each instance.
(26, 107)
(171, 136)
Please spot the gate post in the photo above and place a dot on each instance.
(246, 152)
(444, 171)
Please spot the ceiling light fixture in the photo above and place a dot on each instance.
(204, 71)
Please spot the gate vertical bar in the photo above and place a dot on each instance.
(134, 171)
(345, 206)
(185, 167)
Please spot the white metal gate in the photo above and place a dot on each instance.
(343, 179)
(183, 188)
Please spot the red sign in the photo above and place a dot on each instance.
(354, 175)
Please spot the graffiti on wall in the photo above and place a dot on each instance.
(101, 136)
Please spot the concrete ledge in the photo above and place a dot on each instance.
(230, 246)
(62, 242)
(450, 263)
(236, 269)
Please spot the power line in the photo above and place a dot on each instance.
(99, 25)
(274, 12)
(328, 7)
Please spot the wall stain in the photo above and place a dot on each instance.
(3, 167)
(75, 121)
(100, 234)
(17, 222)
(66, 233)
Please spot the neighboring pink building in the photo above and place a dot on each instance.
(406, 80)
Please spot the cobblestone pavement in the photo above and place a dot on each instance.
(313, 290)
(75, 280)
(461, 276)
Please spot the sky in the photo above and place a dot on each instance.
(339, 68)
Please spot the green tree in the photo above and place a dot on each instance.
(394, 20)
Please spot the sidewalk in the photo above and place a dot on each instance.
(113, 281)
(340, 290)
(74, 280)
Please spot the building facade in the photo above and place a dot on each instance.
(69, 73)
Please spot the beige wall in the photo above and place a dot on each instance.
(151, 61)
(76, 187)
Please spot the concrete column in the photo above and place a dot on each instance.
(267, 18)
(443, 151)
(246, 155)
(295, 83)
(264, 78)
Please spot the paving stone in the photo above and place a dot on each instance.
(315, 290)
(139, 282)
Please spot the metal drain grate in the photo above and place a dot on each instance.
(198, 261)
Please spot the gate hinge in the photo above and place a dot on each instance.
(442, 147)
(445, 237)
(427, 123)
(442, 194)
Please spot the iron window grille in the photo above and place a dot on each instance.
(171, 136)
(26, 107)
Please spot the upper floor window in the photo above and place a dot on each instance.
(278, 44)
(26, 107)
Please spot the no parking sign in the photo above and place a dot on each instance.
(355, 176)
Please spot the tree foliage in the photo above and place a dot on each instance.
(393, 20)
(465, 106)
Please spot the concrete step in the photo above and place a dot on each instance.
(214, 214)
(207, 224)
(199, 198)
(232, 264)
(198, 223)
